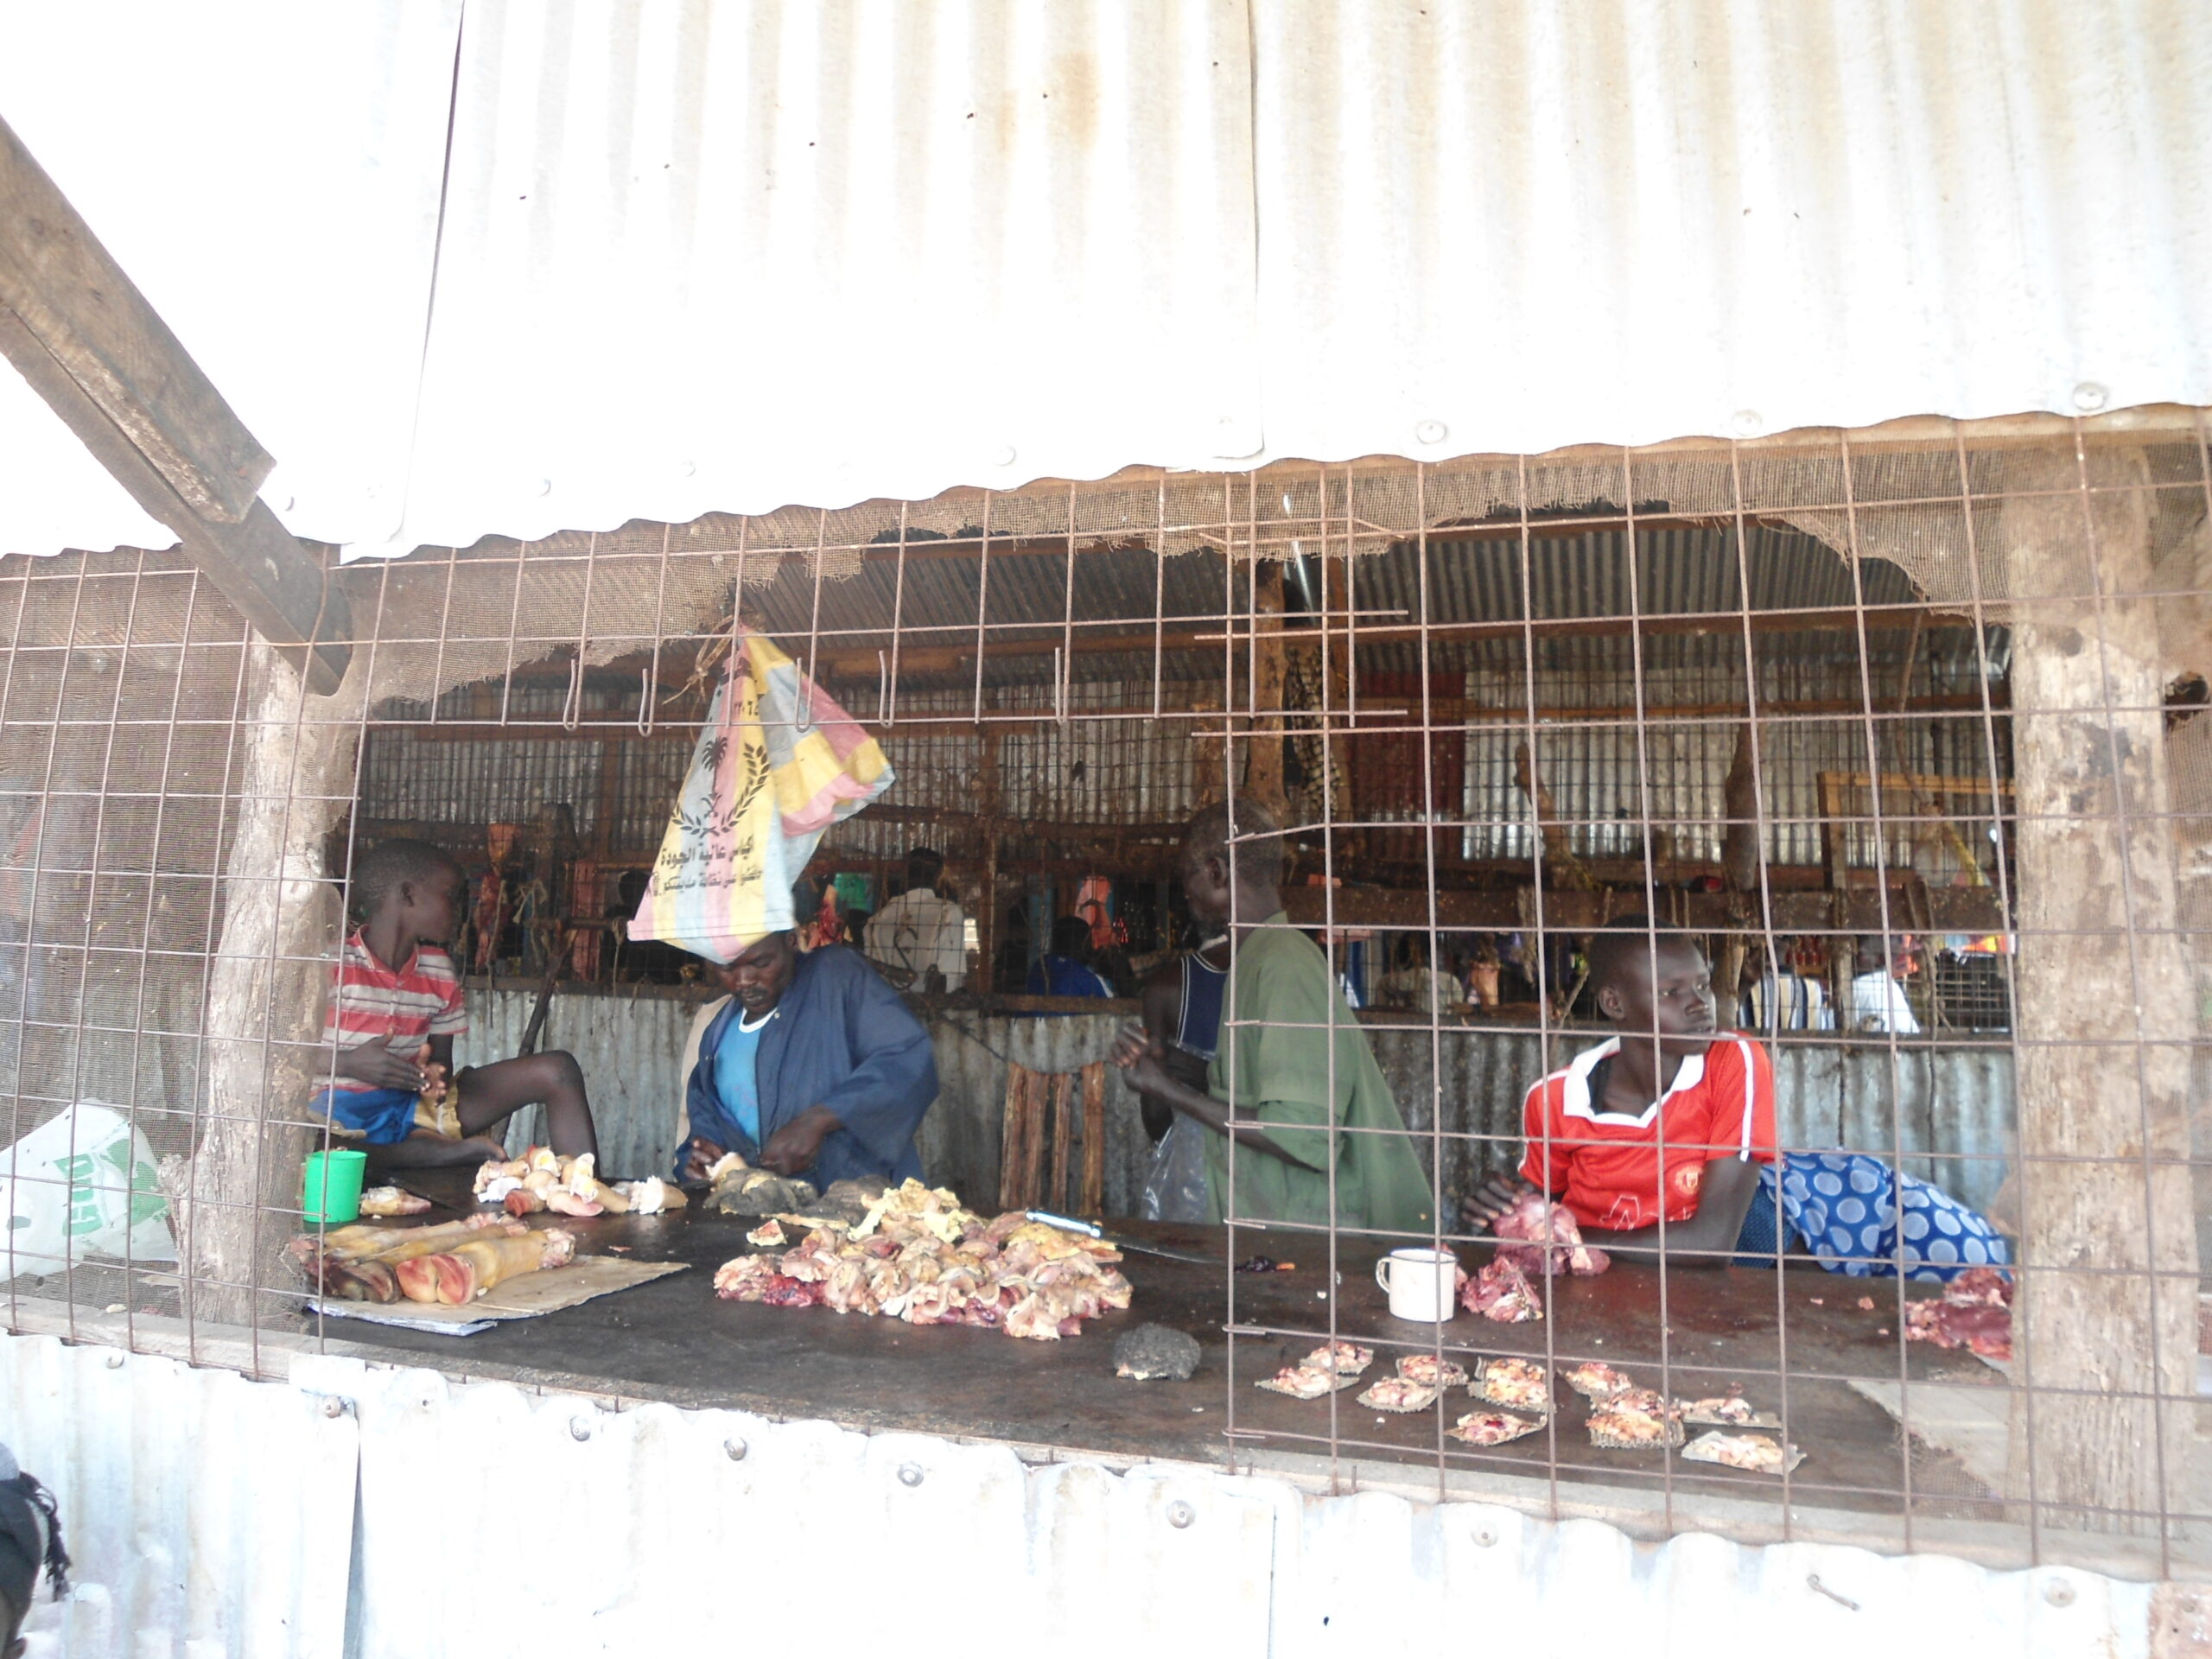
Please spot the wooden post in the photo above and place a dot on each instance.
(2107, 1302)
(1263, 727)
(79, 330)
(265, 997)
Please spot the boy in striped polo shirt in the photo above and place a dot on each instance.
(396, 1007)
(1673, 1119)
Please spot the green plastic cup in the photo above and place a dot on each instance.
(330, 1187)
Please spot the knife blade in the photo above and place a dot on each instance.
(1092, 1230)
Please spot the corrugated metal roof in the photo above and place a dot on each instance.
(730, 254)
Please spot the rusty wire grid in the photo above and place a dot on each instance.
(1930, 689)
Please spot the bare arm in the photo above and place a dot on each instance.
(1707, 1239)
(1138, 1056)
(1162, 996)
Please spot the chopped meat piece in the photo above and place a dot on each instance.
(1756, 1452)
(1516, 1384)
(1595, 1380)
(1346, 1358)
(768, 1235)
(1493, 1427)
(1398, 1394)
(1431, 1371)
(392, 1201)
(1636, 1420)
(1730, 1410)
(1974, 1310)
(1501, 1292)
(1305, 1382)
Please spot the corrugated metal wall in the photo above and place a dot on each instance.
(677, 1529)
(1949, 1111)
(732, 254)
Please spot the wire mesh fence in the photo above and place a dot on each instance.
(1853, 784)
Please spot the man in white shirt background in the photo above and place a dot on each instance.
(920, 930)
(1878, 1000)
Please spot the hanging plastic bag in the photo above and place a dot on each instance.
(83, 1183)
(777, 763)
(1175, 1188)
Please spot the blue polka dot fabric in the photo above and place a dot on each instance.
(1859, 1217)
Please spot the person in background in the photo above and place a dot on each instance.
(1065, 969)
(1299, 1072)
(30, 1538)
(1413, 984)
(1788, 1001)
(921, 931)
(396, 1007)
(1878, 1000)
(810, 1064)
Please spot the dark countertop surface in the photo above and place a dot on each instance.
(1696, 1334)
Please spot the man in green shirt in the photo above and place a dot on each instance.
(1271, 1085)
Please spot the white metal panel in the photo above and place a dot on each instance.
(208, 1515)
(267, 174)
(1545, 222)
(732, 254)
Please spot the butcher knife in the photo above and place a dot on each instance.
(1092, 1230)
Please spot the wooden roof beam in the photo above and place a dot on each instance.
(89, 343)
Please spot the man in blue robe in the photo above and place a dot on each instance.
(813, 1067)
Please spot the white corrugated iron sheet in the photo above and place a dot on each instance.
(732, 254)
(492, 1521)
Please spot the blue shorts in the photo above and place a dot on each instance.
(383, 1117)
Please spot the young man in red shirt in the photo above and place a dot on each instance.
(1653, 1140)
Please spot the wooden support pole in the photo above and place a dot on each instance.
(1263, 741)
(265, 998)
(2107, 1299)
(79, 331)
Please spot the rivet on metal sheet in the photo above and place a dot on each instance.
(1746, 422)
(580, 1428)
(1485, 1538)
(1181, 1514)
(734, 1449)
(1813, 1583)
(2090, 397)
(1432, 432)
(910, 1474)
(2059, 1592)
(332, 1407)
(115, 1362)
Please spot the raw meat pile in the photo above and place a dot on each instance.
(1501, 1292)
(1975, 1309)
(453, 1263)
(917, 1255)
(1537, 1226)
(542, 1179)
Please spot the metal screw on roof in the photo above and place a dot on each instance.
(2059, 1592)
(1485, 1537)
(1003, 455)
(115, 1362)
(1181, 1514)
(1746, 422)
(332, 1407)
(910, 1474)
(734, 1449)
(2090, 397)
(580, 1428)
(1432, 432)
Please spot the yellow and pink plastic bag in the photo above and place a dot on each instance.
(777, 763)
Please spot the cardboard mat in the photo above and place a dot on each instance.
(525, 1298)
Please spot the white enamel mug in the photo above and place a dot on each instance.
(1421, 1284)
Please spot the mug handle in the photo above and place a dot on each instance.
(1382, 1274)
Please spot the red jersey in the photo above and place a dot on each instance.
(1609, 1168)
(402, 1005)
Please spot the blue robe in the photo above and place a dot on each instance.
(842, 1038)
